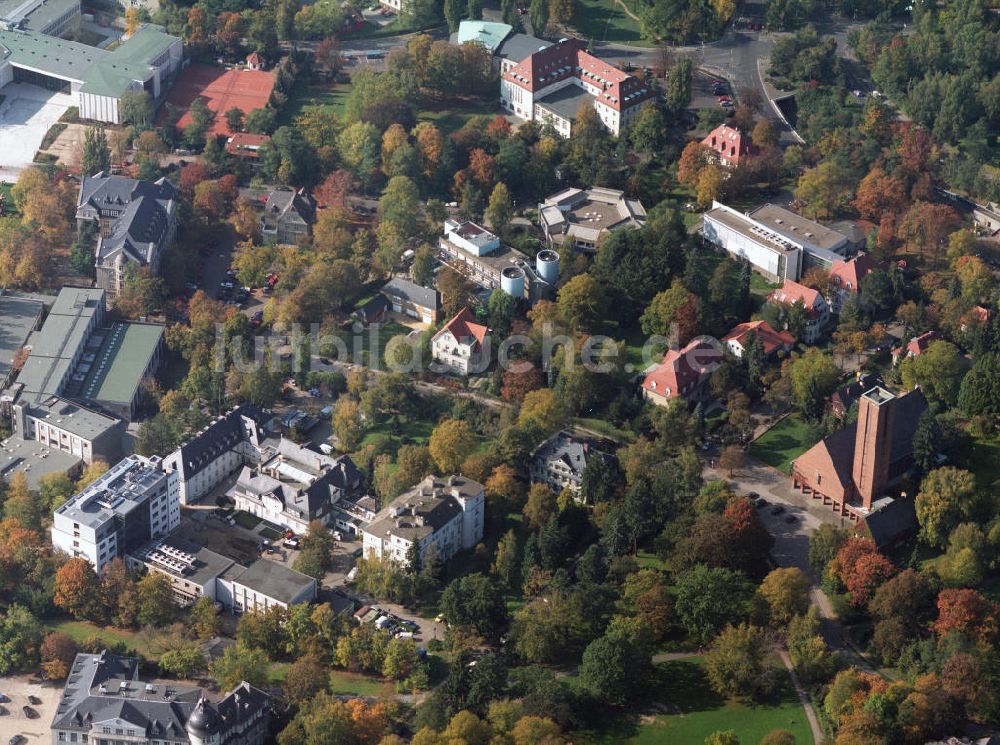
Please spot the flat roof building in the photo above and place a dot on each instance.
(32, 51)
(19, 317)
(262, 585)
(582, 217)
(480, 255)
(132, 503)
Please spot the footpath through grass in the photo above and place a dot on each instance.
(605, 20)
(687, 710)
(783, 443)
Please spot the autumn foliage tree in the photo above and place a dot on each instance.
(77, 589)
(967, 612)
(57, 652)
(861, 569)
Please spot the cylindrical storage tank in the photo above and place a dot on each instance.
(547, 266)
(512, 281)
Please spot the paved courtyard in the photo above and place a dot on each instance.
(26, 114)
(17, 688)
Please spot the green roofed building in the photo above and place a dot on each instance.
(31, 51)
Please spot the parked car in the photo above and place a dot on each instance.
(3, 711)
(34, 700)
(727, 104)
(29, 712)
(3, 699)
(291, 543)
(777, 509)
(17, 740)
(761, 503)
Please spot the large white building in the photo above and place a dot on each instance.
(779, 243)
(447, 514)
(105, 702)
(554, 83)
(233, 440)
(133, 502)
(33, 51)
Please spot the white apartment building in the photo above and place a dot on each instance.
(132, 503)
(446, 513)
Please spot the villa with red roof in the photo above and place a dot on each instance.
(246, 145)
(462, 345)
(683, 373)
(915, 347)
(552, 84)
(816, 307)
(845, 279)
(739, 337)
(728, 145)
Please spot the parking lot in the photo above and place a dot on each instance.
(17, 688)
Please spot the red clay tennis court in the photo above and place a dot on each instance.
(222, 90)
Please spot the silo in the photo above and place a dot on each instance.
(512, 281)
(547, 265)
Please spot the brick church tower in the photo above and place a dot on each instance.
(873, 444)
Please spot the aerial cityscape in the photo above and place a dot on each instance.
(499, 372)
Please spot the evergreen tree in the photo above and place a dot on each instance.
(926, 440)
(413, 558)
(453, 10)
(475, 10)
(96, 153)
(538, 13)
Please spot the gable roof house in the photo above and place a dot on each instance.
(729, 145)
(138, 220)
(561, 460)
(845, 279)
(682, 373)
(739, 337)
(287, 215)
(816, 308)
(462, 345)
(851, 469)
(411, 299)
(915, 347)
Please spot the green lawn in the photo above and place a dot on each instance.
(80, 631)
(783, 443)
(983, 459)
(605, 429)
(759, 285)
(360, 345)
(411, 430)
(246, 520)
(362, 685)
(693, 711)
(305, 96)
(649, 560)
(271, 534)
(604, 20)
(451, 116)
(8, 199)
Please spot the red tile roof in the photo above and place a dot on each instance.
(568, 59)
(729, 143)
(918, 344)
(771, 339)
(682, 368)
(463, 327)
(847, 275)
(791, 292)
(254, 58)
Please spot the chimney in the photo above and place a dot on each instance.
(872, 444)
